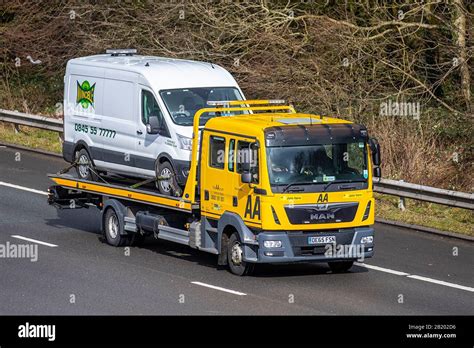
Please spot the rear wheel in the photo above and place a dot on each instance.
(84, 165)
(166, 186)
(235, 255)
(113, 229)
(340, 266)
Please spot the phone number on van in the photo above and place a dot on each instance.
(108, 133)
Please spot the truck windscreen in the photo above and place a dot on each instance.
(183, 103)
(314, 168)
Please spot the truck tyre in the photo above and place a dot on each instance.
(113, 229)
(83, 168)
(235, 260)
(166, 186)
(340, 266)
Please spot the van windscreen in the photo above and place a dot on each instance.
(183, 103)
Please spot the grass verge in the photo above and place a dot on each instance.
(426, 214)
(30, 137)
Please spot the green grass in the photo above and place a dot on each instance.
(30, 137)
(416, 213)
(426, 214)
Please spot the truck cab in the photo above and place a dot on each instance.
(291, 186)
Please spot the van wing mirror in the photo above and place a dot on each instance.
(153, 125)
(375, 150)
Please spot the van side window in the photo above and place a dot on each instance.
(150, 107)
(231, 158)
(247, 153)
(217, 152)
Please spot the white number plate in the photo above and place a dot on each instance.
(322, 240)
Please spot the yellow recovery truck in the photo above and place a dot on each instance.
(266, 185)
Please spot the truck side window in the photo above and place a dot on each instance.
(150, 107)
(248, 152)
(216, 152)
(231, 158)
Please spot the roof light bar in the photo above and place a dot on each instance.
(245, 102)
(121, 51)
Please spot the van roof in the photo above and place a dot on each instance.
(162, 72)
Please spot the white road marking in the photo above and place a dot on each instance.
(440, 282)
(381, 269)
(23, 188)
(219, 288)
(34, 241)
(414, 276)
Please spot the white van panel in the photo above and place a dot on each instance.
(119, 120)
(83, 115)
(119, 99)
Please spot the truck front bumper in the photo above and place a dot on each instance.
(350, 244)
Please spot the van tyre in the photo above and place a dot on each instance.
(166, 187)
(340, 266)
(235, 256)
(84, 165)
(113, 229)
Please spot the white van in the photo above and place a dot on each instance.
(133, 115)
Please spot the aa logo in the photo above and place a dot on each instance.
(323, 198)
(252, 210)
(85, 94)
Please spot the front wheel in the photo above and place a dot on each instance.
(340, 266)
(235, 257)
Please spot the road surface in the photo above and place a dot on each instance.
(78, 273)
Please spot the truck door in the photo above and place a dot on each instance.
(215, 177)
(223, 160)
(248, 203)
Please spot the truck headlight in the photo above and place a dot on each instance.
(272, 244)
(367, 240)
(185, 143)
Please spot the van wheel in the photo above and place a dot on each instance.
(113, 229)
(235, 256)
(166, 187)
(84, 165)
(340, 266)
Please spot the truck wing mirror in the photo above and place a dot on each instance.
(246, 177)
(246, 167)
(153, 125)
(377, 172)
(375, 150)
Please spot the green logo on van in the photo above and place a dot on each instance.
(85, 94)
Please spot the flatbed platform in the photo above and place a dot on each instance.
(122, 191)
